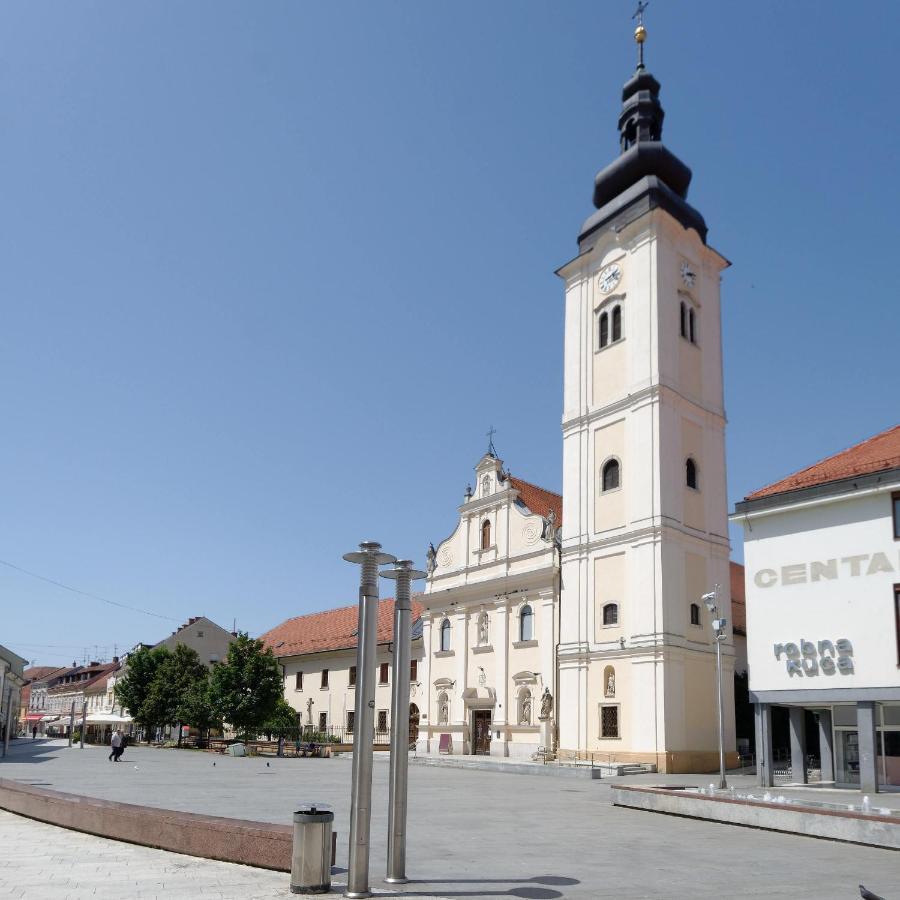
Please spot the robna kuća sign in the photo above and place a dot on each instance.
(810, 659)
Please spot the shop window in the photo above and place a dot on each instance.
(690, 473)
(445, 635)
(611, 614)
(526, 624)
(609, 721)
(611, 475)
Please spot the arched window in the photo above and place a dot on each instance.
(485, 534)
(690, 473)
(604, 330)
(445, 634)
(526, 624)
(611, 614)
(617, 323)
(684, 332)
(693, 336)
(695, 614)
(610, 478)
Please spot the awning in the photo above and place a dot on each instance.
(107, 719)
(34, 717)
(49, 718)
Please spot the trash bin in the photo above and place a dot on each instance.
(237, 749)
(311, 856)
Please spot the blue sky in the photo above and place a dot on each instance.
(270, 271)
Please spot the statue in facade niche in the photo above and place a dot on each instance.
(483, 629)
(611, 685)
(546, 704)
(430, 559)
(443, 713)
(525, 718)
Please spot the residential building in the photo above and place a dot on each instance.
(104, 712)
(67, 693)
(210, 640)
(822, 555)
(317, 654)
(28, 716)
(12, 680)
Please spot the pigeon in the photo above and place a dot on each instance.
(267, 765)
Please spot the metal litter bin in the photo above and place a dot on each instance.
(311, 856)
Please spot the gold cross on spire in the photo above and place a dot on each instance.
(640, 33)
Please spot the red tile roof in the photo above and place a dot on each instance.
(738, 602)
(539, 500)
(95, 672)
(333, 629)
(38, 673)
(874, 455)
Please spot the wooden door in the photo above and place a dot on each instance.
(481, 732)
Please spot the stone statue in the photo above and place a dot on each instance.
(430, 559)
(483, 629)
(546, 704)
(525, 718)
(549, 534)
(309, 706)
(443, 713)
(611, 685)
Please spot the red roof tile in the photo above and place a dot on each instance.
(738, 603)
(38, 673)
(874, 455)
(333, 629)
(539, 500)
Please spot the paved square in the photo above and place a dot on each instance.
(480, 834)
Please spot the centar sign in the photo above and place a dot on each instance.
(808, 658)
(827, 570)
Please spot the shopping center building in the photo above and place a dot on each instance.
(822, 556)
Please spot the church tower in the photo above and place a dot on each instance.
(644, 489)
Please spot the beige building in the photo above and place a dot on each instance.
(490, 623)
(317, 654)
(211, 641)
(12, 680)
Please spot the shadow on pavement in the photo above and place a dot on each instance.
(528, 889)
(26, 750)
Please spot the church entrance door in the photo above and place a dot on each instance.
(481, 732)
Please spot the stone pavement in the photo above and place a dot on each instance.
(483, 834)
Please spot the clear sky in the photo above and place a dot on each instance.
(271, 270)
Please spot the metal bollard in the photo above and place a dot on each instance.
(311, 853)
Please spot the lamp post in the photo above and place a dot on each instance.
(718, 625)
(403, 574)
(369, 557)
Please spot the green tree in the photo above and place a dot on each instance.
(246, 688)
(134, 687)
(198, 709)
(173, 683)
(283, 721)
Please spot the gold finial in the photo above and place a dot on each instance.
(640, 33)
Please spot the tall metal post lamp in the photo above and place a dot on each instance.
(369, 557)
(718, 626)
(403, 574)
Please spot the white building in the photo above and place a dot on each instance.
(822, 555)
(317, 654)
(643, 464)
(489, 629)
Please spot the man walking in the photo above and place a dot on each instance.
(116, 744)
(34, 732)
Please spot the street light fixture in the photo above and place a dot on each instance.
(718, 625)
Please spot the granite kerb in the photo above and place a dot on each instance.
(262, 844)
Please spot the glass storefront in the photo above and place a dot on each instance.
(846, 745)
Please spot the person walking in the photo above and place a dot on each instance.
(116, 744)
(34, 732)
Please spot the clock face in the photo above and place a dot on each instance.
(609, 277)
(688, 275)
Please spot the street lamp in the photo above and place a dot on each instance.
(718, 625)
